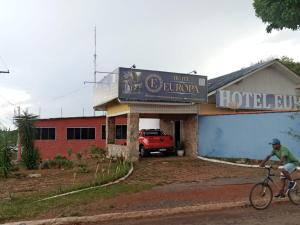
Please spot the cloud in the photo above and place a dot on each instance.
(283, 36)
(250, 50)
(10, 99)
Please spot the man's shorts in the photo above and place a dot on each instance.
(289, 167)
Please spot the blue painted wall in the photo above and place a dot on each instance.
(246, 135)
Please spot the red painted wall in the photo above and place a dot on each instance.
(50, 148)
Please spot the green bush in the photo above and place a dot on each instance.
(94, 150)
(69, 151)
(117, 170)
(30, 158)
(15, 168)
(82, 168)
(78, 156)
(60, 162)
(5, 155)
(45, 165)
(97, 153)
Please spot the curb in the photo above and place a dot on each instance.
(90, 188)
(134, 214)
(229, 163)
(233, 164)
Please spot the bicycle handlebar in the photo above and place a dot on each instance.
(269, 167)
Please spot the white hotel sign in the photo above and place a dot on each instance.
(248, 100)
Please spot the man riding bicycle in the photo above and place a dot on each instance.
(289, 163)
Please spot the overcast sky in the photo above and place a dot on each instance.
(48, 45)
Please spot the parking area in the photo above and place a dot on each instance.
(165, 170)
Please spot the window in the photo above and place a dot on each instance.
(81, 133)
(153, 133)
(103, 132)
(44, 133)
(121, 131)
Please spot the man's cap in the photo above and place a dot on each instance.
(275, 141)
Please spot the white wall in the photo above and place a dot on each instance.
(269, 80)
(149, 124)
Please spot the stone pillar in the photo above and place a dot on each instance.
(132, 136)
(190, 135)
(110, 130)
(167, 126)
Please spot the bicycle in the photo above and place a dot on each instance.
(261, 194)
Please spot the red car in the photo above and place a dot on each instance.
(154, 140)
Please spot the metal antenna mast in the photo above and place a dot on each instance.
(95, 64)
(95, 58)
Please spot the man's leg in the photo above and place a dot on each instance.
(283, 179)
(287, 174)
(287, 170)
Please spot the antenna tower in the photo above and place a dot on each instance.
(95, 57)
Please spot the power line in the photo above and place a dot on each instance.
(69, 93)
(9, 102)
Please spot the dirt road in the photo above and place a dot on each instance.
(279, 214)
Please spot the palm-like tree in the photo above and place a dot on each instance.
(26, 129)
(5, 153)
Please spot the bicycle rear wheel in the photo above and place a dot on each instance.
(294, 194)
(261, 196)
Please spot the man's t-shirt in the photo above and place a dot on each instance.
(283, 151)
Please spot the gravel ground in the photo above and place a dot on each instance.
(283, 214)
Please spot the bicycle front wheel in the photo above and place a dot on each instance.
(261, 196)
(294, 194)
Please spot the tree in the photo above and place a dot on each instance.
(289, 62)
(12, 135)
(6, 146)
(278, 14)
(26, 129)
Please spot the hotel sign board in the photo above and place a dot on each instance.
(249, 100)
(156, 86)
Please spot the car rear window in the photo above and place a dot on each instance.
(153, 133)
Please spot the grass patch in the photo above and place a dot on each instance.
(116, 170)
(22, 209)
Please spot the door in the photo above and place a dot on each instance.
(177, 133)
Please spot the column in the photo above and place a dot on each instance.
(190, 135)
(132, 136)
(110, 130)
